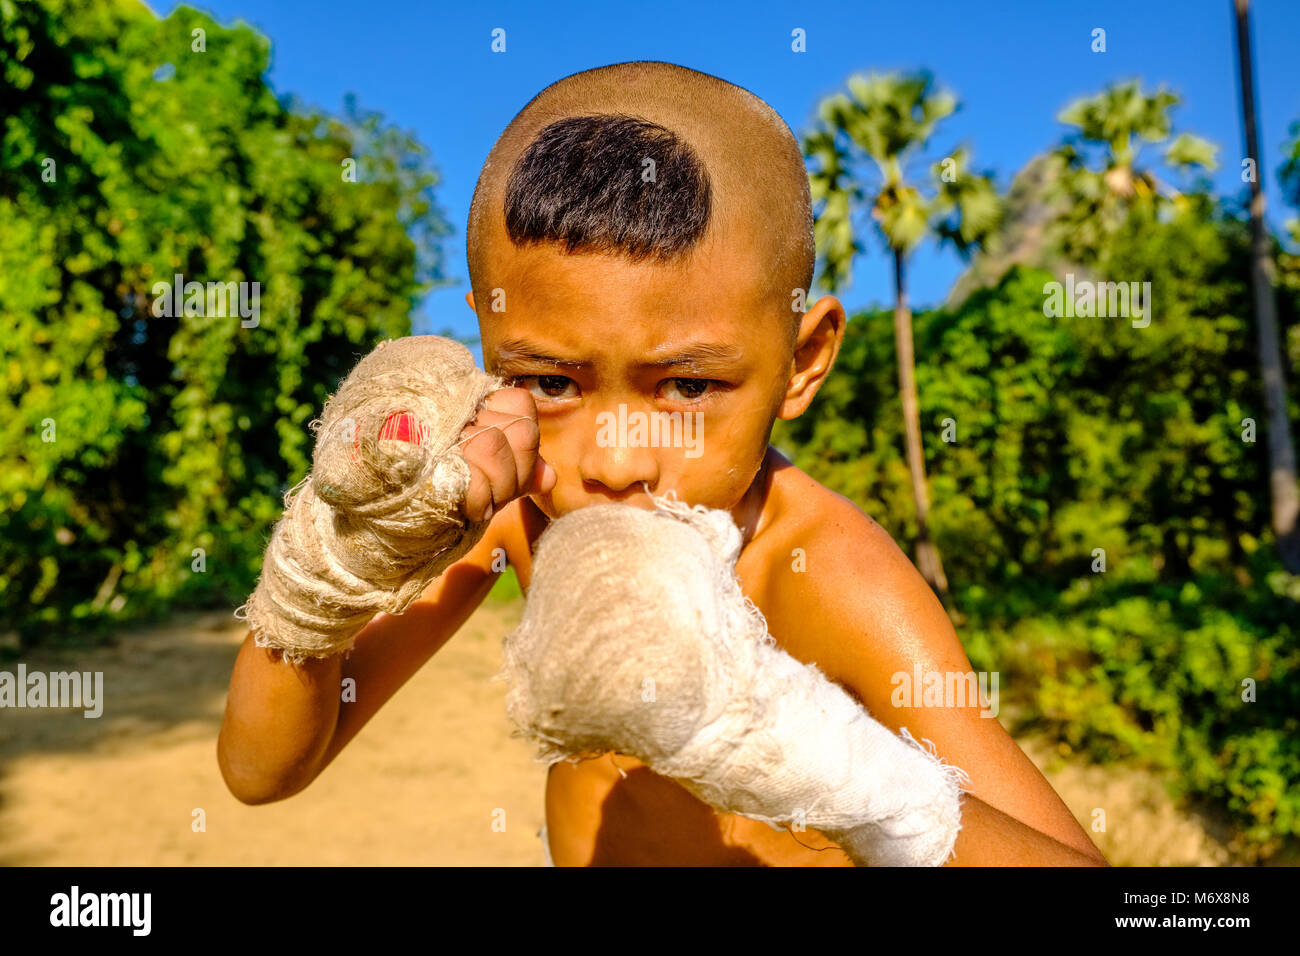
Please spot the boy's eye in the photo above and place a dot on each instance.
(546, 386)
(557, 387)
(686, 389)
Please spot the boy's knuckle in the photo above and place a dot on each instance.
(531, 435)
(493, 441)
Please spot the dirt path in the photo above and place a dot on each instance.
(421, 785)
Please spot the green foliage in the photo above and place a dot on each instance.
(1074, 434)
(506, 588)
(1109, 129)
(1118, 114)
(174, 434)
(1200, 677)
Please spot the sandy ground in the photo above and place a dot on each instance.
(434, 779)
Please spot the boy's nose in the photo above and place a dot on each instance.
(618, 466)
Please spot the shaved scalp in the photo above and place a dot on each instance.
(570, 169)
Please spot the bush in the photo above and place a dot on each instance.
(1102, 522)
(148, 455)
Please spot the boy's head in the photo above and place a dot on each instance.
(640, 244)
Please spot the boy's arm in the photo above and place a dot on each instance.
(989, 837)
(872, 617)
(284, 723)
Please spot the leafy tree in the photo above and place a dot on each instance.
(1114, 123)
(1066, 434)
(1284, 487)
(889, 120)
(147, 455)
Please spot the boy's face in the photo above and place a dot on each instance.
(646, 376)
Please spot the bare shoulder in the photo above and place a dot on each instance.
(808, 514)
(857, 607)
(843, 592)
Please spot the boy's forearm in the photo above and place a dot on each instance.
(278, 723)
(285, 723)
(989, 837)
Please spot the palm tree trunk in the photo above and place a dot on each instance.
(927, 555)
(1281, 450)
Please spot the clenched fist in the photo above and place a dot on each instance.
(502, 454)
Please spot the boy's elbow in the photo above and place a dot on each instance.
(253, 793)
(250, 797)
(247, 790)
(253, 789)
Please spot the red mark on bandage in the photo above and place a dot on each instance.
(402, 426)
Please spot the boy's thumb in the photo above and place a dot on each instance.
(543, 477)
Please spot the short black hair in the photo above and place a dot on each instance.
(609, 183)
(569, 169)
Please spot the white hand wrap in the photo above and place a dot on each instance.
(381, 514)
(637, 638)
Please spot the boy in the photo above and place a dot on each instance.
(639, 237)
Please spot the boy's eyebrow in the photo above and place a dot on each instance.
(523, 350)
(516, 350)
(701, 352)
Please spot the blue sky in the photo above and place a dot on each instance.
(429, 69)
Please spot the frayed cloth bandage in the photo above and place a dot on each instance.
(636, 638)
(381, 515)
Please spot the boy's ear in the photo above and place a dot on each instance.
(469, 299)
(816, 345)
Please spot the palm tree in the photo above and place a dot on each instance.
(1281, 451)
(1119, 119)
(890, 119)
